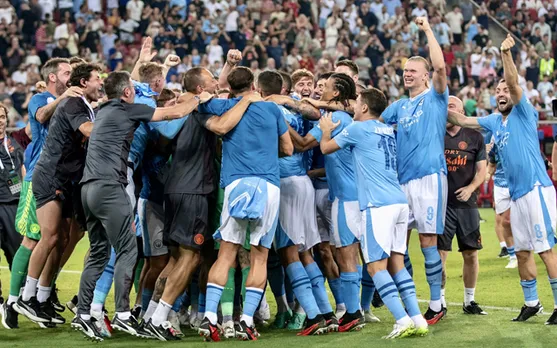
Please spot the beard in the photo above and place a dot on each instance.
(60, 87)
(505, 109)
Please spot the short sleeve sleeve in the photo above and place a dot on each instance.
(390, 114)
(348, 136)
(37, 102)
(139, 112)
(217, 106)
(316, 133)
(488, 122)
(526, 109)
(77, 113)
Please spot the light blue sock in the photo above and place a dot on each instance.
(301, 286)
(407, 291)
(146, 296)
(553, 283)
(530, 289)
(351, 290)
(253, 298)
(336, 288)
(389, 294)
(104, 283)
(368, 289)
(214, 292)
(202, 302)
(511, 251)
(178, 303)
(318, 287)
(408, 264)
(433, 272)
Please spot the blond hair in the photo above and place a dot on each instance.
(300, 74)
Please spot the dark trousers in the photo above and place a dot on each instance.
(10, 240)
(109, 223)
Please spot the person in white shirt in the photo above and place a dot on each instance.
(383, 18)
(32, 58)
(522, 78)
(20, 75)
(214, 51)
(545, 28)
(324, 12)
(174, 84)
(476, 62)
(545, 86)
(549, 99)
(420, 11)
(48, 6)
(531, 92)
(455, 19)
(97, 23)
(127, 28)
(61, 32)
(7, 12)
(232, 20)
(376, 7)
(134, 8)
(94, 5)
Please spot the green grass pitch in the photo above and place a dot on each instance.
(498, 292)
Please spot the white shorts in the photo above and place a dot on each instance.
(427, 201)
(297, 221)
(151, 216)
(346, 218)
(262, 231)
(323, 205)
(502, 198)
(130, 188)
(533, 219)
(384, 230)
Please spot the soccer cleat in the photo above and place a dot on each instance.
(228, 329)
(184, 316)
(369, 317)
(129, 325)
(281, 320)
(245, 332)
(48, 309)
(100, 322)
(528, 312)
(263, 313)
(351, 322)
(315, 326)
(513, 263)
(32, 310)
(504, 252)
(377, 301)
(331, 322)
(46, 325)
(72, 305)
(401, 331)
(55, 302)
(297, 321)
(552, 319)
(473, 308)
(88, 327)
(433, 317)
(163, 332)
(175, 322)
(9, 316)
(340, 312)
(209, 331)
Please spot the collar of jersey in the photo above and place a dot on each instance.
(143, 88)
(419, 95)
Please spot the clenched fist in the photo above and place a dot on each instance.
(507, 44)
(423, 23)
(233, 57)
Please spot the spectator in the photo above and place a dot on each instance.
(459, 72)
(134, 9)
(61, 50)
(544, 87)
(487, 73)
(420, 11)
(544, 45)
(442, 31)
(531, 93)
(455, 20)
(547, 65)
(481, 38)
(392, 5)
(107, 40)
(364, 66)
(477, 60)
(325, 10)
(545, 29)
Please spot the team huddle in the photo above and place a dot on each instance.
(188, 195)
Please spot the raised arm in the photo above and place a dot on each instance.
(181, 109)
(171, 61)
(307, 110)
(436, 56)
(145, 56)
(233, 57)
(44, 113)
(223, 124)
(509, 70)
(463, 121)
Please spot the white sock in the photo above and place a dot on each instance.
(282, 304)
(12, 299)
(404, 321)
(30, 289)
(443, 302)
(96, 307)
(150, 310)
(85, 316)
(469, 295)
(212, 317)
(435, 305)
(161, 313)
(247, 319)
(532, 303)
(419, 321)
(201, 315)
(503, 244)
(341, 307)
(124, 315)
(97, 314)
(43, 294)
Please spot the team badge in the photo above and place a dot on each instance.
(198, 239)
(463, 145)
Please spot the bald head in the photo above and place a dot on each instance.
(456, 105)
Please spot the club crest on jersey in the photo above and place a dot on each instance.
(410, 120)
(463, 145)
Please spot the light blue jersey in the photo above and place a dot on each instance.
(516, 139)
(296, 164)
(251, 148)
(339, 165)
(421, 126)
(499, 179)
(39, 131)
(373, 148)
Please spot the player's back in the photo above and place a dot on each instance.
(295, 165)
(421, 123)
(375, 162)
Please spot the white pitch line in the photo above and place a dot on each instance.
(63, 271)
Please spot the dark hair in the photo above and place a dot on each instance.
(116, 83)
(375, 100)
(350, 64)
(345, 86)
(324, 76)
(77, 60)
(286, 81)
(240, 79)
(192, 79)
(150, 71)
(165, 96)
(51, 67)
(82, 72)
(270, 82)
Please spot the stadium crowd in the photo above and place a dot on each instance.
(191, 79)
